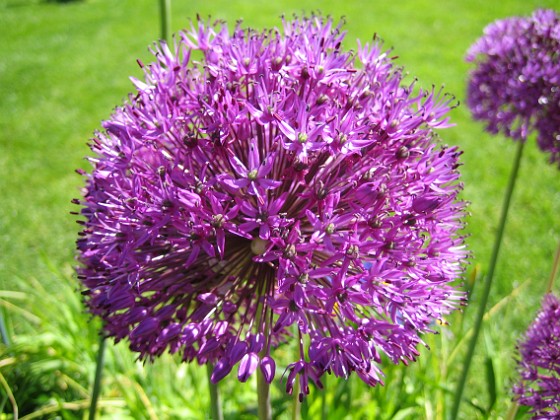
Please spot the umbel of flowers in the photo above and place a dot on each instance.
(515, 87)
(539, 365)
(277, 188)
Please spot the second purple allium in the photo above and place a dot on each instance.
(276, 189)
(539, 365)
(515, 87)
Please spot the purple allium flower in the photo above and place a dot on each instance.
(515, 86)
(276, 189)
(539, 366)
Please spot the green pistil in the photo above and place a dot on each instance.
(252, 175)
(258, 246)
(218, 220)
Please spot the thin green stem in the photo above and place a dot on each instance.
(165, 14)
(215, 400)
(296, 403)
(512, 411)
(324, 407)
(10, 395)
(98, 373)
(554, 270)
(488, 281)
(263, 393)
(263, 387)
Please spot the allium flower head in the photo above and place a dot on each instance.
(515, 86)
(539, 366)
(277, 189)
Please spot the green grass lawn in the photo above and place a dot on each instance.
(65, 65)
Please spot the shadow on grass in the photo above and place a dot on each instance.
(63, 1)
(9, 4)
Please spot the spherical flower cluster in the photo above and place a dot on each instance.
(273, 190)
(539, 366)
(515, 86)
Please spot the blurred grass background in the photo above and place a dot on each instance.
(65, 65)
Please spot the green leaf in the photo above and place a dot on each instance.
(490, 382)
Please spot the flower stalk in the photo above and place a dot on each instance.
(165, 16)
(296, 403)
(324, 404)
(263, 394)
(512, 412)
(488, 280)
(98, 374)
(554, 270)
(215, 400)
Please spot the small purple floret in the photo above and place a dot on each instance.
(277, 189)
(515, 86)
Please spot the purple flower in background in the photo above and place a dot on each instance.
(515, 86)
(539, 366)
(274, 188)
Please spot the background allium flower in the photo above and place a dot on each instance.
(515, 86)
(539, 366)
(270, 191)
